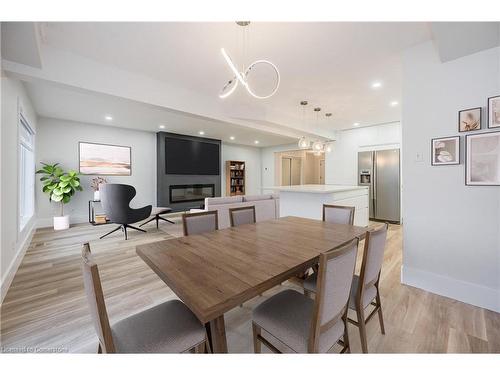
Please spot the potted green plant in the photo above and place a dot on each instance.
(60, 187)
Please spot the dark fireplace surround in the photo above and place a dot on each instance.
(182, 192)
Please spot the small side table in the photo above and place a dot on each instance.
(92, 213)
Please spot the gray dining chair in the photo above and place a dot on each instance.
(365, 287)
(338, 214)
(304, 325)
(115, 199)
(166, 328)
(242, 215)
(200, 222)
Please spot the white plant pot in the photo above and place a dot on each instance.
(61, 222)
(96, 195)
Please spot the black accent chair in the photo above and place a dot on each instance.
(115, 200)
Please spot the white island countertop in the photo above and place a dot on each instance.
(318, 189)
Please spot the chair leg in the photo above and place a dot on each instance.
(347, 346)
(113, 231)
(153, 218)
(380, 317)
(132, 227)
(200, 349)
(168, 221)
(99, 349)
(362, 328)
(256, 342)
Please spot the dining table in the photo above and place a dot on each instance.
(214, 272)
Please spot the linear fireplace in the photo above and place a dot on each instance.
(191, 193)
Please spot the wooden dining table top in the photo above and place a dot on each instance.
(214, 272)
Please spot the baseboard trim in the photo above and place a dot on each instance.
(473, 294)
(47, 222)
(16, 262)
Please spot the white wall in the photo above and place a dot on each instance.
(13, 242)
(341, 165)
(251, 157)
(451, 231)
(58, 142)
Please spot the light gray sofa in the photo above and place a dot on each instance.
(267, 206)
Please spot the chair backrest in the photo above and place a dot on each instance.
(95, 299)
(373, 257)
(242, 215)
(338, 214)
(336, 270)
(115, 200)
(200, 222)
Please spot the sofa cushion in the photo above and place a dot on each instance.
(252, 198)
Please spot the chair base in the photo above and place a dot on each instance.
(157, 218)
(123, 227)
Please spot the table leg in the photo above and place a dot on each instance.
(218, 335)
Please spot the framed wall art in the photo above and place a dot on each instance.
(482, 166)
(103, 159)
(469, 119)
(494, 112)
(445, 151)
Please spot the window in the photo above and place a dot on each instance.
(26, 172)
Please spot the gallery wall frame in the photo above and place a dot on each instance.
(445, 151)
(493, 112)
(482, 159)
(102, 159)
(469, 119)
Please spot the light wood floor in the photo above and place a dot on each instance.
(45, 307)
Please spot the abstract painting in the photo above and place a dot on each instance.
(483, 159)
(469, 119)
(446, 151)
(102, 159)
(494, 112)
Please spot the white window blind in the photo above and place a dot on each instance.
(26, 172)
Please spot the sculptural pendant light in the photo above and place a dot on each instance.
(317, 145)
(241, 77)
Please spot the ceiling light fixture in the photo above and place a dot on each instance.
(161, 126)
(376, 85)
(201, 132)
(242, 76)
(109, 118)
(256, 142)
(393, 103)
(231, 138)
(355, 124)
(304, 143)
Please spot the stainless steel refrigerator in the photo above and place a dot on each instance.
(380, 171)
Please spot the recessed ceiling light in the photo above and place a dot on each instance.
(161, 126)
(109, 118)
(355, 124)
(376, 85)
(393, 103)
(256, 142)
(201, 132)
(231, 138)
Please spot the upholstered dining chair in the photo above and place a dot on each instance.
(200, 222)
(365, 287)
(166, 328)
(115, 199)
(304, 325)
(242, 215)
(338, 214)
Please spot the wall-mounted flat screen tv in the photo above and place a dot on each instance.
(183, 156)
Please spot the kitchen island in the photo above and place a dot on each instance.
(307, 200)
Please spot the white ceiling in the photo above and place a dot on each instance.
(332, 65)
(55, 101)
